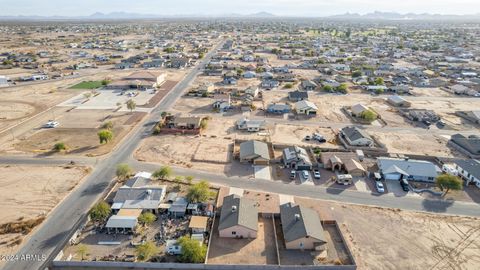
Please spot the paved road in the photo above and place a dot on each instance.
(53, 233)
(333, 194)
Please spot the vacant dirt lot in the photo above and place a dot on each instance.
(394, 239)
(409, 143)
(30, 192)
(260, 250)
(78, 130)
(295, 135)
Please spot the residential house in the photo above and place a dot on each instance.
(297, 95)
(251, 125)
(308, 85)
(410, 169)
(277, 108)
(343, 161)
(469, 170)
(125, 221)
(469, 145)
(358, 110)
(238, 218)
(356, 137)
(184, 122)
(139, 193)
(179, 62)
(296, 158)
(301, 228)
(270, 84)
(249, 74)
(252, 90)
(305, 107)
(254, 152)
(398, 101)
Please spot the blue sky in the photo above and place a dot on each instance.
(215, 7)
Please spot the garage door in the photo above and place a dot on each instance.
(393, 176)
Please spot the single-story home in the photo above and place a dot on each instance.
(410, 169)
(305, 107)
(358, 109)
(251, 125)
(297, 158)
(356, 137)
(297, 95)
(238, 218)
(398, 101)
(276, 108)
(301, 228)
(255, 152)
(470, 144)
(347, 161)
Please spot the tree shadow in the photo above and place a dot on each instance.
(438, 206)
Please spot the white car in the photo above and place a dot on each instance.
(379, 187)
(316, 174)
(51, 124)
(305, 175)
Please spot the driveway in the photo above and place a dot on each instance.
(262, 172)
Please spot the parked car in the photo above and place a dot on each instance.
(308, 138)
(316, 174)
(404, 184)
(379, 187)
(52, 124)
(305, 175)
(319, 138)
(293, 173)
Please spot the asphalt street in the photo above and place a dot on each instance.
(54, 232)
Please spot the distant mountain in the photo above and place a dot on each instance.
(262, 14)
(378, 15)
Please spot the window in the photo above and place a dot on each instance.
(234, 233)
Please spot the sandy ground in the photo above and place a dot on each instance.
(30, 191)
(78, 130)
(409, 143)
(393, 239)
(430, 92)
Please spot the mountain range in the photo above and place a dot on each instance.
(377, 15)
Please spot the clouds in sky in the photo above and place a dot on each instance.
(216, 7)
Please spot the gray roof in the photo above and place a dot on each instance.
(147, 193)
(251, 148)
(121, 222)
(295, 153)
(470, 143)
(472, 166)
(298, 95)
(237, 210)
(410, 166)
(354, 133)
(299, 222)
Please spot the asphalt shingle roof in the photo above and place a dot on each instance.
(299, 222)
(245, 214)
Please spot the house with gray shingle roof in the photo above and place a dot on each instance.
(410, 169)
(238, 218)
(255, 152)
(356, 137)
(301, 227)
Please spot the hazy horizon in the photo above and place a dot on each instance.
(217, 7)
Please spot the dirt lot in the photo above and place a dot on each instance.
(409, 143)
(244, 251)
(294, 134)
(421, 241)
(29, 192)
(78, 130)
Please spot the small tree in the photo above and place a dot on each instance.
(379, 81)
(60, 146)
(105, 82)
(87, 95)
(82, 250)
(105, 136)
(199, 192)
(342, 88)
(327, 88)
(147, 218)
(204, 123)
(288, 86)
(163, 173)
(145, 251)
(178, 179)
(369, 115)
(192, 250)
(131, 105)
(100, 212)
(447, 182)
(123, 171)
(356, 74)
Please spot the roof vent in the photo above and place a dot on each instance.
(234, 208)
(297, 217)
